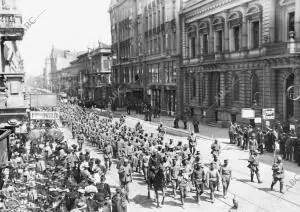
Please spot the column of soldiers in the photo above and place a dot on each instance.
(182, 165)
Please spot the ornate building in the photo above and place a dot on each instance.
(240, 54)
(146, 44)
(87, 76)
(12, 88)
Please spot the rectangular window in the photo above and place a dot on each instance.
(205, 44)
(163, 14)
(255, 34)
(164, 42)
(193, 47)
(105, 64)
(158, 17)
(236, 38)
(291, 23)
(174, 42)
(219, 44)
(158, 44)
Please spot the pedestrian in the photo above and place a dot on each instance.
(278, 173)
(185, 120)
(196, 124)
(253, 146)
(226, 174)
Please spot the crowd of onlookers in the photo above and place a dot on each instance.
(273, 140)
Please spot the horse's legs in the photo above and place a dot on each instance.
(148, 190)
(157, 198)
(163, 192)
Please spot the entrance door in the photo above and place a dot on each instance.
(289, 106)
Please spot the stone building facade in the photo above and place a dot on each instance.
(240, 54)
(146, 44)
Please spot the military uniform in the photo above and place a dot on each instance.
(226, 176)
(278, 174)
(174, 171)
(125, 174)
(198, 178)
(254, 166)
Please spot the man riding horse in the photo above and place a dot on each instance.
(156, 177)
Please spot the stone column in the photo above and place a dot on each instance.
(222, 89)
(226, 32)
(297, 103)
(211, 36)
(197, 43)
(272, 20)
(297, 24)
(2, 64)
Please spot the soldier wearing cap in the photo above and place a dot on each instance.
(125, 175)
(198, 178)
(254, 166)
(278, 173)
(226, 176)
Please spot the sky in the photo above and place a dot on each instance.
(66, 24)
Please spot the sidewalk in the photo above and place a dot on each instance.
(206, 131)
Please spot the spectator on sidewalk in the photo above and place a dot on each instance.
(196, 124)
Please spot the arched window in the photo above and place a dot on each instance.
(255, 94)
(235, 88)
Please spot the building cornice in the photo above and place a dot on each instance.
(201, 10)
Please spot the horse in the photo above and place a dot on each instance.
(157, 180)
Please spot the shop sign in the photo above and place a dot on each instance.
(44, 115)
(268, 113)
(257, 120)
(248, 113)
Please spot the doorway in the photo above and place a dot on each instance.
(289, 106)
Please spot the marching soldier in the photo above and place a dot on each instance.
(198, 177)
(213, 178)
(183, 182)
(108, 152)
(254, 166)
(174, 171)
(125, 174)
(278, 173)
(226, 176)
